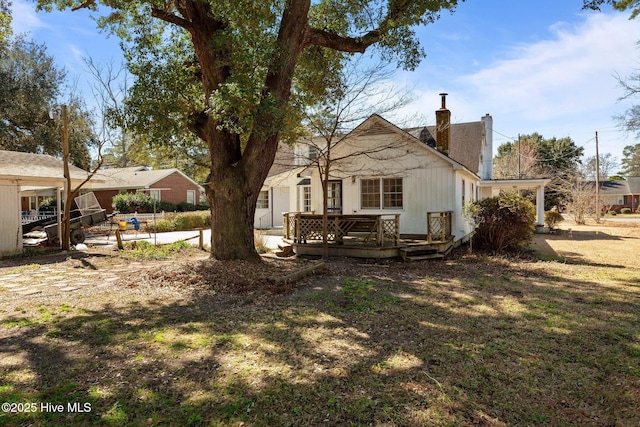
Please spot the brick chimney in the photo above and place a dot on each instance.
(443, 126)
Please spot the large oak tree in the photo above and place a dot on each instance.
(254, 61)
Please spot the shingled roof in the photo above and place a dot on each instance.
(36, 169)
(465, 146)
(630, 186)
(135, 177)
(634, 184)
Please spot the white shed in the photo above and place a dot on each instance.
(26, 169)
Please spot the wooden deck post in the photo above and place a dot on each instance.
(380, 237)
(397, 236)
(429, 227)
(285, 222)
(119, 240)
(297, 228)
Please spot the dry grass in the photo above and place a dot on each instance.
(549, 340)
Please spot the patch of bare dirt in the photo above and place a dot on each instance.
(207, 276)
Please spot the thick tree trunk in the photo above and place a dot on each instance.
(232, 213)
(237, 174)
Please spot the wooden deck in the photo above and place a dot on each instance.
(368, 236)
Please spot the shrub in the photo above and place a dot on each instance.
(613, 213)
(552, 218)
(188, 221)
(166, 207)
(260, 243)
(48, 204)
(504, 222)
(163, 225)
(625, 210)
(146, 250)
(132, 202)
(183, 221)
(185, 207)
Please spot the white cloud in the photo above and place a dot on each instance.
(571, 73)
(560, 85)
(24, 18)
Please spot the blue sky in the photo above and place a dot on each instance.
(541, 66)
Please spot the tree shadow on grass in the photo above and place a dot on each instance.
(545, 251)
(52, 258)
(457, 343)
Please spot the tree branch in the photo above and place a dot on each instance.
(171, 18)
(84, 5)
(324, 38)
(328, 39)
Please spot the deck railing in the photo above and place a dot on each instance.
(304, 228)
(27, 218)
(438, 226)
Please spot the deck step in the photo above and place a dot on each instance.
(423, 257)
(419, 249)
(285, 251)
(419, 252)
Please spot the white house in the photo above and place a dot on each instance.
(386, 170)
(18, 170)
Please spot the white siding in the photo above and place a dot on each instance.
(429, 181)
(11, 229)
(460, 226)
(280, 204)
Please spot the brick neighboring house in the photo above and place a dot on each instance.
(616, 195)
(166, 185)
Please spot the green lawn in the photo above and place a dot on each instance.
(470, 341)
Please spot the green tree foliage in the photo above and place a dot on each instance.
(518, 159)
(30, 85)
(504, 223)
(555, 158)
(132, 202)
(5, 21)
(81, 132)
(621, 5)
(552, 218)
(235, 73)
(631, 160)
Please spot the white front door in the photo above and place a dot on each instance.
(280, 204)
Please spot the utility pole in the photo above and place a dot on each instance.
(519, 175)
(597, 181)
(66, 237)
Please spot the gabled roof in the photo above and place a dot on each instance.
(36, 169)
(136, 177)
(278, 179)
(613, 187)
(284, 160)
(465, 145)
(616, 188)
(376, 124)
(634, 184)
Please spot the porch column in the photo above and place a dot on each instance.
(59, 213)
(540, 204)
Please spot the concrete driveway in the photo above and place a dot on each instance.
(192, 237)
